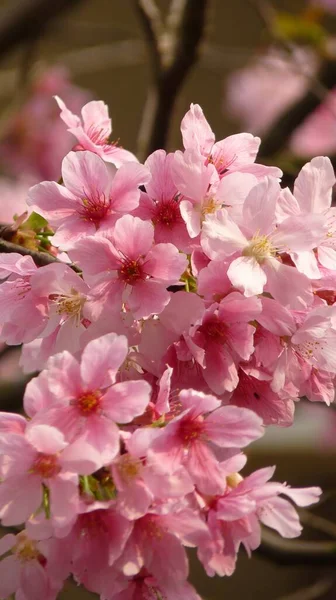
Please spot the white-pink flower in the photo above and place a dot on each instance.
(255, 247)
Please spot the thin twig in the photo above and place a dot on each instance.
(318, 523)
(293, 552)
(41, 259)
(320, 85)
(312, 592)
(152, 24)
(174, 50)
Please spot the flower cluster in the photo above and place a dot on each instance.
(192, 304)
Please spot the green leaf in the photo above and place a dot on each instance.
(298, 29)
(35, 223)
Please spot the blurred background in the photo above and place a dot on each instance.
(248, 75)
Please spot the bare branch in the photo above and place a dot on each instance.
(318, 523)
(178, 47)
(41, 259)
(293, 552)
(152, 24)
(277, 138)
(25, 20)
(312, 592)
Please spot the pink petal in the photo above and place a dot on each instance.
(46, 439)
(101, 360)
(291, 288)
(52, 201)
(9, 576)
(234, 427)
(126, 400)
(34, 581)
(259, 207)
(196, 131)
(313, 186)
(161, 185)
(165, 262)
(280, 515)
(191, 176)
(125, 191)
(133, 237)
(246, 274)
(85, 175)
(303, 496)
(96, 118)
(66, 115)
(221, 237)
(81, 457)
(148, 298)
(96, 255)
(237, 150)
(191, 215)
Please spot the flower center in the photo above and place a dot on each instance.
(131, 271)
(191, 430)
(129, 467)
(209, 206)
(215, 330)
(260, 248)
(167, 213)
(25, 549)
(46, 466)
(94, 208)
(89, 403)
(70, 305)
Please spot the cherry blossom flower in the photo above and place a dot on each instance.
(91, 198)
(93, 131)
(82, 399)
(129, 268)
(256, 246)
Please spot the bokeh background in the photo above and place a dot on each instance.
(101, 44)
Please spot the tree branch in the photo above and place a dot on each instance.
(278, 137)
(25, 20)
(173, 51)
(312, 592)
(152, 24)
(41, 259)
(293, 552)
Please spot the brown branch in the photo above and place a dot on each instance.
(320, 84)
(278, 137)
(152, 24)
(293, 552)
(312, 592)
(41, 259)
(177, 47)
(26, 20)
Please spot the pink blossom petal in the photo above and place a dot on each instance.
(196, 131)
(52, 201)
(46, 439)
(234, 427)
(125, 191)
(280, 515)
(126, 400)
(313, 186)
(9, 576)
(34, 580)
(221, 237)
(85, 175)
(148, 298)
(101, 360)
(133, 237)
(165, 262)
(161, 185)
(246, 274)
(291, 288)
